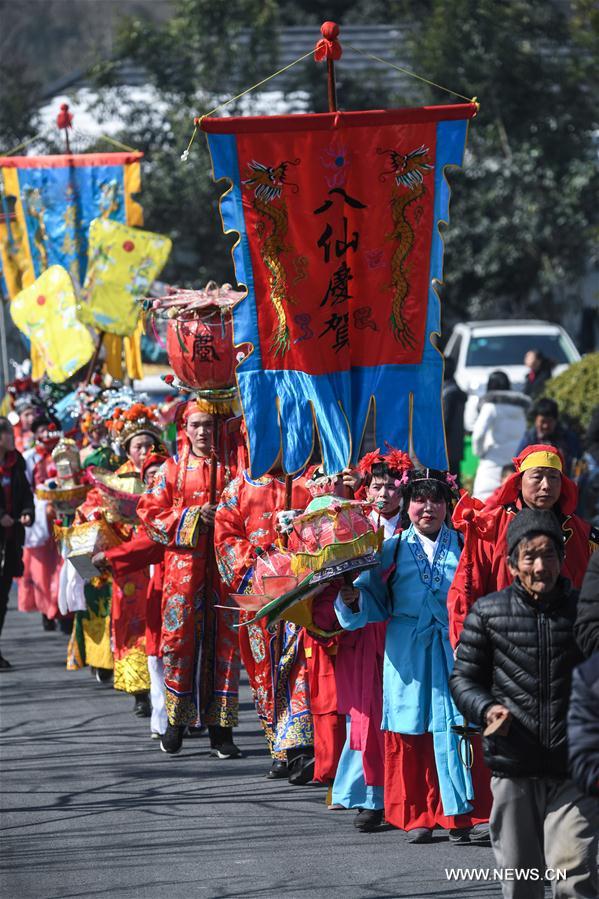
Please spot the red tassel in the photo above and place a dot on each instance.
(329, 47)
(64, 119)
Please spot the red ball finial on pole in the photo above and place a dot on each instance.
(328, 47)
(64, 120)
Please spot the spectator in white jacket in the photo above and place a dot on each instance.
(498, 430)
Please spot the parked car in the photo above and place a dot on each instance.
(479, 348)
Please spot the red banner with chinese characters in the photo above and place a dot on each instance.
(338, 250)
(342, 251)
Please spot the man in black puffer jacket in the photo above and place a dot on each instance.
(586, 629)
(583, 726)
(512, 676)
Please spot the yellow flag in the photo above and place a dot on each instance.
(46, 312)
(122, 264)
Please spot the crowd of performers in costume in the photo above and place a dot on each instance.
(357, 695)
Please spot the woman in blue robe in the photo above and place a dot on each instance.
(428, 783)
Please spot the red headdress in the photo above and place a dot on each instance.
(192, 407)
(150, 460)
(539, 455)
(393, 459)
(369, 460)
(397, 460)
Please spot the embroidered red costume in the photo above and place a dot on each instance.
(128, 614)
(275, 663)
(200, 647)
(132, 556)
(483, 564)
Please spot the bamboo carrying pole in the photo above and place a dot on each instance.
(94, 359)
(332, 86)
(332, 95)
(332, 98)
(209, 577)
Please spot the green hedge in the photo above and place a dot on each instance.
(576, 390)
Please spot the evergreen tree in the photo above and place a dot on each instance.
(524, 214)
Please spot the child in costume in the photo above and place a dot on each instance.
(129, 557)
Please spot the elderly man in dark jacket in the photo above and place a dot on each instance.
(512, 676)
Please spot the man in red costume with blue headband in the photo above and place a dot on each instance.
(539, 482)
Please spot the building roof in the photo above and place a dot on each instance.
(384, 41)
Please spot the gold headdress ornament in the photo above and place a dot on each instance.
(223, 401)
(137, 419)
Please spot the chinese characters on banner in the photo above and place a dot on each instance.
(339, 248)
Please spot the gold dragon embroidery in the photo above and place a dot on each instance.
(36, 210)
(109, 198)
(268, 182)
(408, 171)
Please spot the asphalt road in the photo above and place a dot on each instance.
(92, 808)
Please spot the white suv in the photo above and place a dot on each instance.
(479, 348)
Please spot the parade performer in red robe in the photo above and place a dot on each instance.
(329, 725)
(129, 557)
(38, 588)
(246, 526)
(538, 482)
(200, 647)
(137, 432)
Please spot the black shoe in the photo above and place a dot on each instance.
(277, 770)
(368, 819)
(459, 835)
(4, 663)
(301, 766)
(221, 743)
(142, 707)
(104, 675)
(48, 624)
(66, 626)
(420, 835)
(172, 739)
(480, 834)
